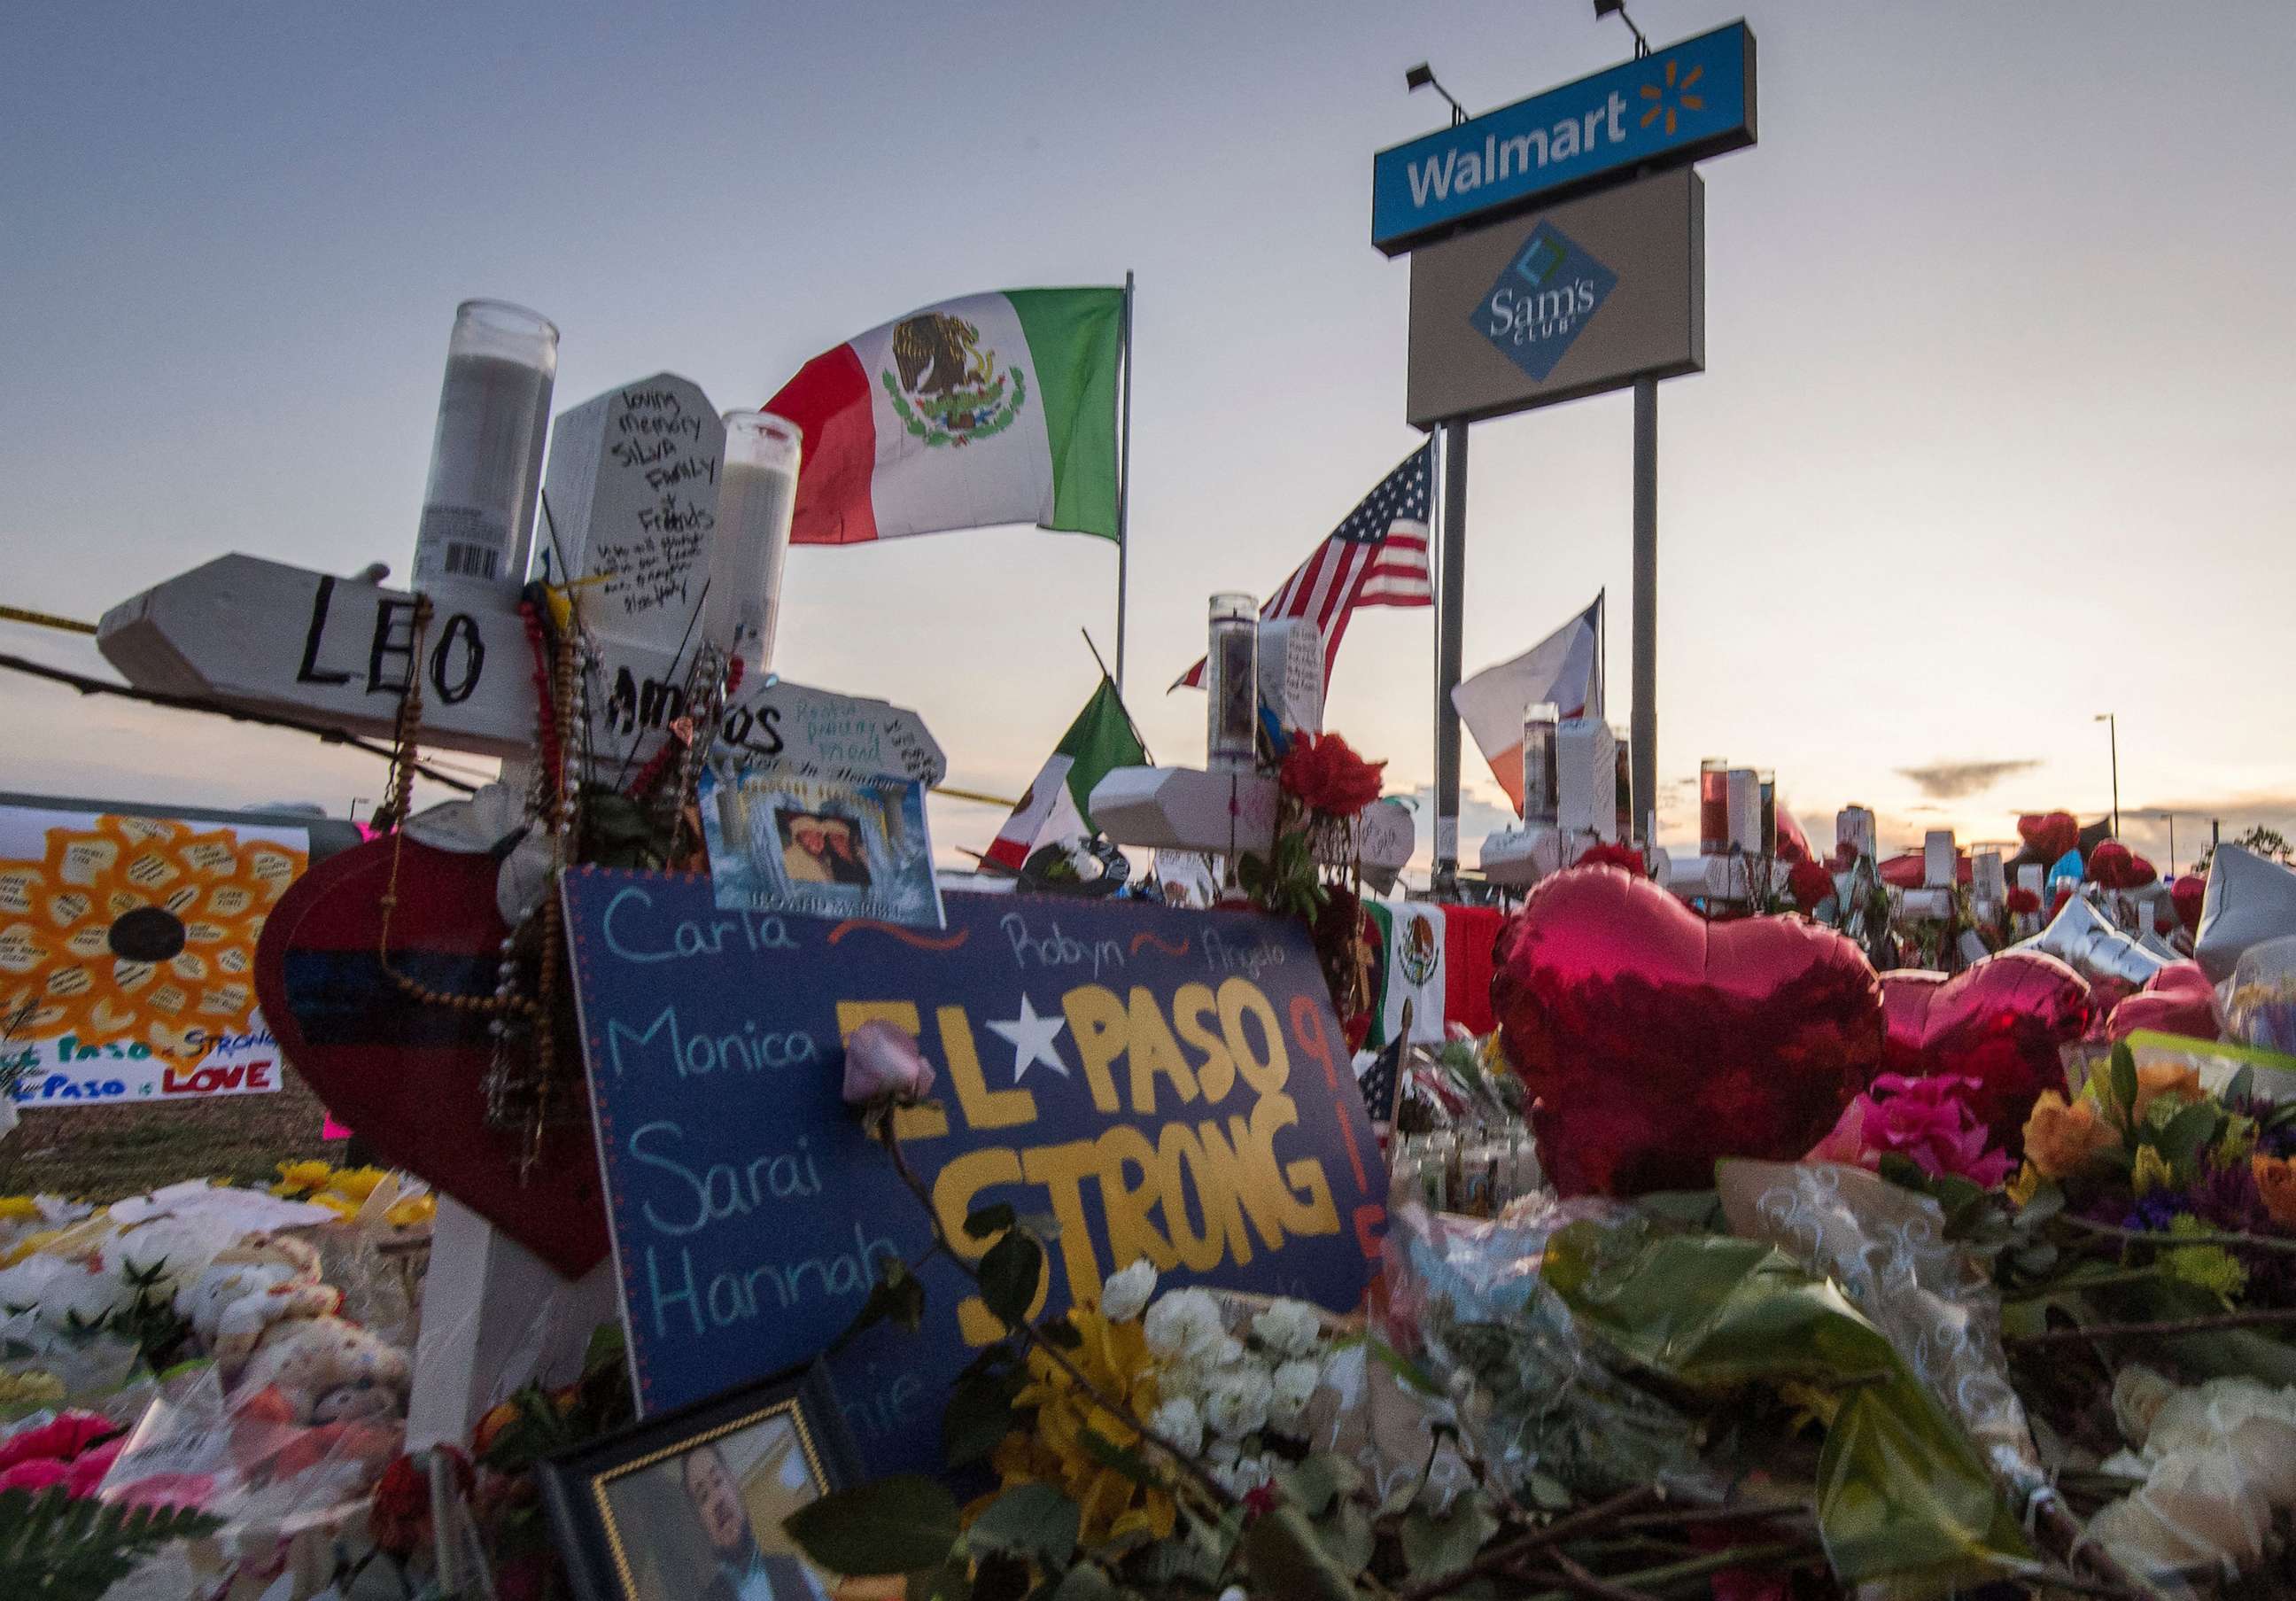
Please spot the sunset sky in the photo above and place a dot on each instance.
(1995, 435)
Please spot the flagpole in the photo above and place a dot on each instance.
(1603, 651)
(1123, 481)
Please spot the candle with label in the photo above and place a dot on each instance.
(757, 493)
(486, 456)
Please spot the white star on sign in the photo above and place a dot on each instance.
(1031, 1039)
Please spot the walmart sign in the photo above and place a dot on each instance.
(1665, 110)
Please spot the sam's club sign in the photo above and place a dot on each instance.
(1670, 107)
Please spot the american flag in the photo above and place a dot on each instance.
(1377, 557)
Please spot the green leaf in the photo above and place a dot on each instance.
(952, 1581)
(1319, 1480)
(1034, 1520)
(903, 1524)
(1436, 1547)
(979, 1415)
(2124, 1083)
(1699, 1210)
(1410, 1371)
(1009, 1275)
(1084, 1583)
(1904, 1172)
(60, 1547)
(1131, 1464)
(1346, 1533)
(1286, 1559)
(989, 1221)
(2186, 1134)
(2047, 1202)
(1548, 1495)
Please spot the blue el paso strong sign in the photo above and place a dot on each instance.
(1671, 107)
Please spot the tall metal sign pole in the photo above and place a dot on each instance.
(1448, 596)
(1558, 250)
(1642, 763)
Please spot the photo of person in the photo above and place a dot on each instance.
(805, 849)
(844, 864)
(826, 848)
(705, 1523)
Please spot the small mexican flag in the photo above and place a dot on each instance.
(1057, 805)
(989, 410)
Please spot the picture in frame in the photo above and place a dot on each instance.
(688, 1506)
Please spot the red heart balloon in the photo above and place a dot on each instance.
(2178, 999)
(2187, 895)
(1999, 1021)
(1656, 1042)
(2117, 868)
(2051, 836)
(409, 1075)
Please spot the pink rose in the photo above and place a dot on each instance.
(1927, 1120)
(36, 1474)
(883, 1063)
(61, 1437)
(88, 1468)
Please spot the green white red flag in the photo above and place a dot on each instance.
(990, 409)
(1058, 804)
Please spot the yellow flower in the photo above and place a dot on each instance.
(2060, 1138)
(296, 1177)
(343, 1206)
(2211, 1267)
(2153, 1172)
(1115, 1359)
(16, 1208)
(37, 1387)
(29, 1246)
(413, 1211)
(2021, 1189)
(357, 1182)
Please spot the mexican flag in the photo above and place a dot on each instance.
(994, 408)
(1057, 805)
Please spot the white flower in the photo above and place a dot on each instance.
(1290, 1328)
(1222, 1453)
(2197, 1506)
(1244, 1475)
(1124, 1296)
(1235, 1400)
(1180, 1425)
(1294, 1384)
(1183, 1327)
(1228, 1353)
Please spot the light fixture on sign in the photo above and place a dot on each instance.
(1422, 77)
(1604, 8)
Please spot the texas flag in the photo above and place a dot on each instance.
(1561, 669)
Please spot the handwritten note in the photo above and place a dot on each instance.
(1165, 1084)
(633, 488)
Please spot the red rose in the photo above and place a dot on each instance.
(399, 1519)
(2023, 903)
(1326, 775)
(1809, 884)
(2064, 894)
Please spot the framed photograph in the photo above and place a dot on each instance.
(825, 847)
(688, 1506)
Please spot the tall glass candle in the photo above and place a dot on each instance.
(757, 494)
(1232, 686)
(1713, 806)
(1626, 786)
(1767, 781)
(485, 457)
(1541, 787)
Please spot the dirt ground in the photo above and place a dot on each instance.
(103, 1153)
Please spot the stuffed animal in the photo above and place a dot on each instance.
(249, 1286)
(271, 1325)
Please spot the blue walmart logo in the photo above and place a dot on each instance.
(1543, 300)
